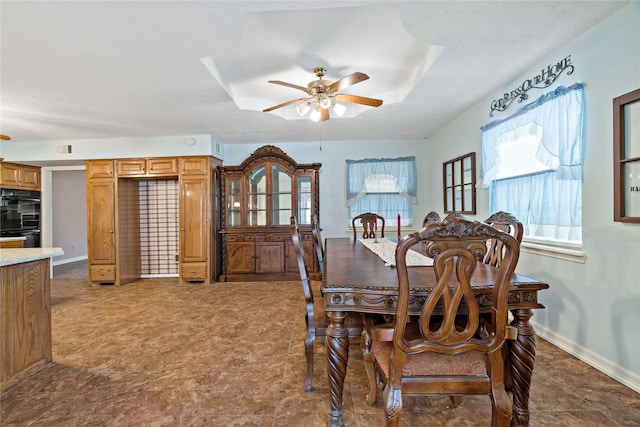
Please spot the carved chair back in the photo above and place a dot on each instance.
(317, 241)
(315, 316)
(508, 223)
(431, 218)
(370, 227)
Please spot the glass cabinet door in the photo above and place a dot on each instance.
(234, 202)
(281, 190)
(304, 200)
(257, 197)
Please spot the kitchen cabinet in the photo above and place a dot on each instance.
(112, 231)
(25, 313)
(113, 216)
(199, 242)
(258, 199)
(147, 167)
(19, 177)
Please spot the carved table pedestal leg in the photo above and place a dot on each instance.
(522, 356)
(337, 348)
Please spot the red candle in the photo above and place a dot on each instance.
(398, 227)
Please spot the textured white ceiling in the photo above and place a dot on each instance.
(75, 70)
(394, 60)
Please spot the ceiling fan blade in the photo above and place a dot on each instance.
(5, 137)
(347, 81)
(371, 102)
(291, 85)
(284, 104)
(324, 114)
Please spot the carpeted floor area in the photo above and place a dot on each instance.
(154, 353)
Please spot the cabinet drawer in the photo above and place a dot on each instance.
(194, 271)
(131, 167)
(103, 273)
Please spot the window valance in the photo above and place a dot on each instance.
(381, 176)
(555, 119)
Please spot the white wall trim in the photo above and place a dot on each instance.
(553, 251)
(69, 260)
(46, 204)
(603, 365)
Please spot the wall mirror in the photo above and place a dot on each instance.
(626, 157)
(459, 184)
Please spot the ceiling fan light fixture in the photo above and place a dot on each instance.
(303, 109)
(339, 109)
(325, 102)
(315, 114)
(322, 94)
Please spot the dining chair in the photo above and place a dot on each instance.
(445, 352)
(369, 222)
(317, 241)
(315, 317)
(508, 223)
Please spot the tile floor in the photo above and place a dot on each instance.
(153, 353)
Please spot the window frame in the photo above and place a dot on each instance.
(459, 182)
(620, 158)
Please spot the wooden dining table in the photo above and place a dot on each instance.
(355, 279)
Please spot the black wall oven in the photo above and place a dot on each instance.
(20, 215)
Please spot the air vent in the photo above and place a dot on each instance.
(63, 149)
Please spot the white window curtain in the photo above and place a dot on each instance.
(546, 196)
(384, 186)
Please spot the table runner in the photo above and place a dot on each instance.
(386, 250)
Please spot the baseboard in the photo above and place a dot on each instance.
(69, 260)
(154, 276)
(603, 365)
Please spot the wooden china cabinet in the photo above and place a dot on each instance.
(258, 198)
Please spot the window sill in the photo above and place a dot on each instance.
(572, 253)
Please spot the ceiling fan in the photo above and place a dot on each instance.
(5, 137)
(323, 94)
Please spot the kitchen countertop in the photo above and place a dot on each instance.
(10, 256)
(12, 239)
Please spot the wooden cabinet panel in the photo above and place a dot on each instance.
(101, 222)
(162, 166)
(269, 257)
(194, 219)
(291, 261)
(194, 165)
(131, 167)
(25, 311)
(99, 169)
(240, 257)
(9, 174)
(30, 177)
(18, 176)
(12, 244)
(139, 168)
